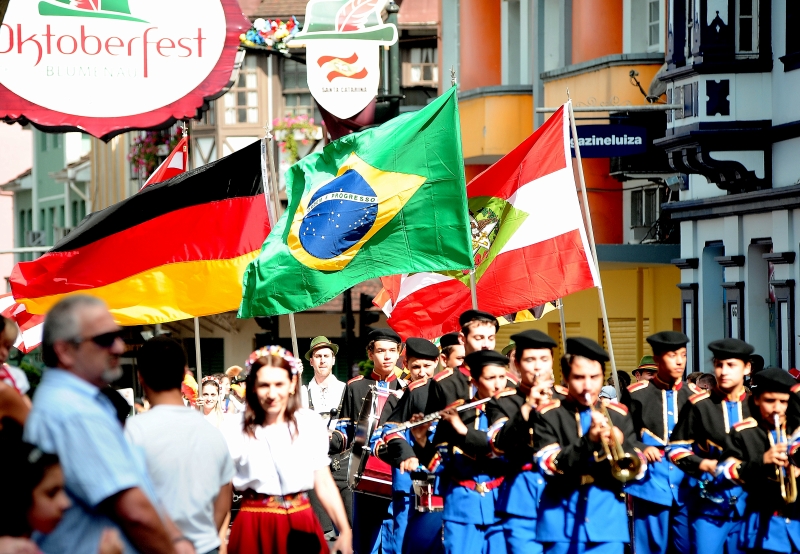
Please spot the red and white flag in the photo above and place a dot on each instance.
(30, 325)
(528, 239)
(174, 165)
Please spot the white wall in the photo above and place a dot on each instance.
(16, 156)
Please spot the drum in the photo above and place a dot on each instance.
(424, 499)
(366, 473)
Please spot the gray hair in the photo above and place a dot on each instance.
(62, 323)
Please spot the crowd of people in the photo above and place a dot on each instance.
(455, 448)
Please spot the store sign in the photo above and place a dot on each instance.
(610, 141)
(342, 38)
(107, 66)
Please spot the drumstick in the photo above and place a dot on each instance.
(334, 413)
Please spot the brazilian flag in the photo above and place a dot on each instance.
(384, 201)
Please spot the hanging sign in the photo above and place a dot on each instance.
(108, 66)
(342, 62)
(609, 141)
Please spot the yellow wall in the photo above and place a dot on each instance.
(604, 87)
(110, 171)
(494, 125)
(661, 306)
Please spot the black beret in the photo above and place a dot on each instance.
(479, 359)
(421, 348)
(726, 349)
(772, 379)
(581, 346)
(667, 341)
(384, 334)
(450, 339)
(472, 315)
(533, 339)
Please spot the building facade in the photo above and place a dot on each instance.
(733, 67)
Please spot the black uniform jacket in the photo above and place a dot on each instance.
(704, 423)
(413, 401)
(750, 439)
(579, 459)
(648, 407)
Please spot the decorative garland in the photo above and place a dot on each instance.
(273, 34)
(144, 150)
(289, 129)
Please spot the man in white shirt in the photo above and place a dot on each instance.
(187, 459)
(323, 394)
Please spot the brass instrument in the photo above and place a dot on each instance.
(785, 478)
(624, 466)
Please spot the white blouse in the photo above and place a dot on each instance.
(274, 464)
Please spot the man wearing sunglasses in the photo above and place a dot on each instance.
(106, 480)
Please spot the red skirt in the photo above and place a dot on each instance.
(277, 525)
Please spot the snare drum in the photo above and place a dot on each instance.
(424, 499)
(376, 479)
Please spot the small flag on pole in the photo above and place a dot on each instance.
(30, 325)
(174, 165)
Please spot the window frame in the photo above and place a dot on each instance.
(754, 15)
(659, 23)
(234, 92)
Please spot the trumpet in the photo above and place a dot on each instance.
(624, 466)
(785, 478)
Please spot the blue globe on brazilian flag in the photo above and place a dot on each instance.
(384, 201)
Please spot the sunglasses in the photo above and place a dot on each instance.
(104, 340)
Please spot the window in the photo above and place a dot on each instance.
(637, 217)
(644, 207)
(42, 141)
(209, 117)
(792, 21)
(241, 102)
(55, 141)
(297, 99)
(689, 316)
(653, 25)
(421, 69)
(746, 26)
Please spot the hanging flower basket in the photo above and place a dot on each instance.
(272, 34)
(292, 130)
(148, 147)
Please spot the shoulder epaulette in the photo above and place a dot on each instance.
(695, 398)
(511, 377)
(638, 386)
(544, 408)
(748, 423)
(443, 374)
(505, 392)
(617, 407)
(694, 388)
(356, 378)
(418, 383)
(561, 389)
(795, 388)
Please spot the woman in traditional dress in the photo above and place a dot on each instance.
(280, 455)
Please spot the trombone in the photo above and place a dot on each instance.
(624, 466)
(785, 478)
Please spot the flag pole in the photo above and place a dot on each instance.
(472, 287)
(198, 360)
(268, 165)
(590, 234)
(563, 325)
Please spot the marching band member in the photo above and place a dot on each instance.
(716, 505)
(581, 509)
(660, 517)
(371, 515)
(413, 531)
(758, 460)
(452, 355)
(511, 415)
(472, 475)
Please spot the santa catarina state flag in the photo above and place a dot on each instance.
(175, 250)
(528, 241)
(387, 200)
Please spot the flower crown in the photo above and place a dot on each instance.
(296, 367)
(210, 378)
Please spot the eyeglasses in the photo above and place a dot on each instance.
(103, 340)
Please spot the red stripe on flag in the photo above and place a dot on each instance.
(535, 274)
(325, 59)
(334, 74)
(171, 167)
(431, 311)
(190, 234)
(540, 154)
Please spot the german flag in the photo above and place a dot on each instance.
(175, 250)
